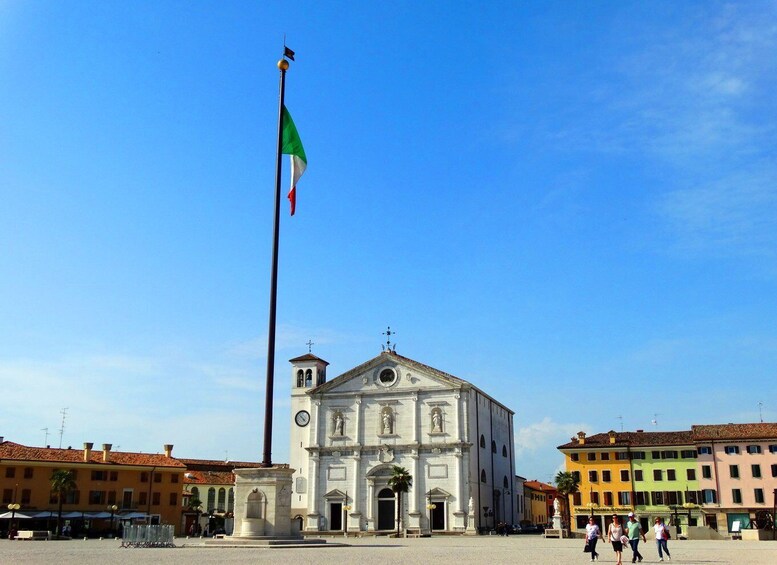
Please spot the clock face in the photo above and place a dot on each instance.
(302, 418)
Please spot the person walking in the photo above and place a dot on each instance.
(662, 534)
(614, 535)
(592, 535)
(635, 530)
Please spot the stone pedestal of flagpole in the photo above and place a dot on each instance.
(263, 510)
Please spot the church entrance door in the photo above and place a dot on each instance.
(386, 510)
(438, 516)
(336, 516)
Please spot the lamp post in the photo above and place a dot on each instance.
(13, 507)
(689, 506)
(346, 509)
(430, 506)
(198, 510)
(113, 508)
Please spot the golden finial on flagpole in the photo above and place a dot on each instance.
(283, 65)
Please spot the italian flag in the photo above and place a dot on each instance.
(292, 145)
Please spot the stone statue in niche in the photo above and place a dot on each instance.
(436, 421)
(338, 424)
(388, 422)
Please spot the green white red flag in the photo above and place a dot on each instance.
(292, 145)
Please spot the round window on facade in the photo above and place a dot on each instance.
(387, 377)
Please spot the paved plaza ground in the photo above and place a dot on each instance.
(429, 551)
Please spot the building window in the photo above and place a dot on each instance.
(174, 478)
(222, 499)
(112, 497)
(634, 455)
(309, 378)
(574, 457)
(10, 472)
(706, 472)
(595, 497)
(593, 477)
(624, 498)
(709, 496)
(157, 478)
(773, 448)
(658, 498)
(142, 498)
(143, 477)
(173, 499)
(483, 476)
(605, 456)
(387, 377)
(155, 498)
(504, 451)
(690, 474)
(669, 455)
(624, 475)
(705, 450)
(658, 475)
(606, 476)
(756, 471)
(7, 495)
(733, 471)
(656, 455)
(99, 475)
(732, 449)
(591, 456)
(577, 499)
(754, 449)
(688, 454)
(493, 446)
(28, 472)
(96, 497)
(576, 475)
(114, 476)
(505, 483)
(641, 498)
(759, 495)
(671, 475)
(774, 470)
(26, 495)
(300, 378)
(608, 499)
(736, 496)
(671, 497)
(211, 499)
(482, 441)
(692, 497)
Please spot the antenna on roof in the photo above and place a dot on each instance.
(46, 436)
(621, 419)
(62, 427)
(760, 411)
(654, 421)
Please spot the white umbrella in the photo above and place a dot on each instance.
(132, 516)
(94, 515)
(46, 514)
(71, 515)
(17, 515)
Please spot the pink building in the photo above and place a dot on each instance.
(737, 472)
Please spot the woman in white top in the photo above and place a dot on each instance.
(592, 535)
(662, 534)
(614, 534)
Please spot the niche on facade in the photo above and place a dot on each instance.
(387, 422)
(337, 425)
(255, 504)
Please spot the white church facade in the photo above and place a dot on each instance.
(348, 433)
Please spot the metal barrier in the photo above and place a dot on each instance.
(148, 536)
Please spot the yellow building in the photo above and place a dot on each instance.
(536, 511)
(111, 486)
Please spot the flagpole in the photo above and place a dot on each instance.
(283, 65)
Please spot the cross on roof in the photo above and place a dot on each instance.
(388, 333)
(310, 345)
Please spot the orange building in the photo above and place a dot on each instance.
(539, 502)
(122, 484)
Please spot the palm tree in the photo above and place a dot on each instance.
(195, 505)
(566, 484)
(62, 484)
(401, 480)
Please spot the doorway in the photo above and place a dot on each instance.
(386, 510)
(438, 516)
(335, 516)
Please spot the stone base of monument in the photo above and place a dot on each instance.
(263, 511)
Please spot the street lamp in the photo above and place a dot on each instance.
(431, 506)
(113, 508)
(198, 510)
(346, 509)
(487, 513)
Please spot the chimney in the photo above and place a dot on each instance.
(87, 450)
(2, 439)
(611, 433)
(106, 451)
(168, 450)
(640, 431)
(581, 438)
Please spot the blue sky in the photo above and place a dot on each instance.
(573, 205)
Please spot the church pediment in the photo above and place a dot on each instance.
(438, 493)
(335, 494)
(390, 372)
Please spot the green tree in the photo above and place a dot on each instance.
(401, 480)
(62, 484)
(195, 505)
(567, 483)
